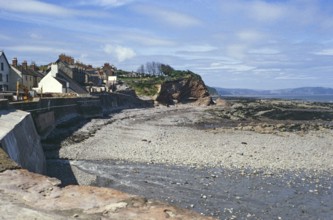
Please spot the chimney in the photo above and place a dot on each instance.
(25, 65)
(14, 62)
(33, 66)
(54, 69)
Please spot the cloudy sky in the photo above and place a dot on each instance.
(258, 44)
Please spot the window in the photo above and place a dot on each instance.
(0, 77)
(7, 77)
(2, 66)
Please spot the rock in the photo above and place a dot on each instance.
(6, 163)
(115, 207)
(28, 195)
(221, 102)
(184, 90)
(206, 101)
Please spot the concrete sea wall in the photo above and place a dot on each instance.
(20, 140)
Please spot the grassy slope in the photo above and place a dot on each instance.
(148, 86)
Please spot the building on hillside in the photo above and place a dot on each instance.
(4, 72)
(57, 81)
(23, 76)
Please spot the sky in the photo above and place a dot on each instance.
(254, 44)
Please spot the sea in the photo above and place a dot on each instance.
(309, 98)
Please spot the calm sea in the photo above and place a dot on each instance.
(311, 98)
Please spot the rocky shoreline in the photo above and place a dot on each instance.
(270, 158)
(26, 195)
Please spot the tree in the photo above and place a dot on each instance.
(155, 69)
(141, 70)
(166, 69)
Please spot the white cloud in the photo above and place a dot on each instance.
(35, 7)
(120, 52)
(35, 36)
(109, 3)
(250, 35)
(325, 52)
(170, 17)
(257, 10)
(264, 51)
(4, 37)
(148, 40)
(43, 12)
(236, 50)
(264, 11)
(295, 77)
(38, 49)
(197, 48)
(238, 68)
(231, 67)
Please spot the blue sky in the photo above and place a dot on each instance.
(257, 44)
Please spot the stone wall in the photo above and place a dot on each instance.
(3, 104)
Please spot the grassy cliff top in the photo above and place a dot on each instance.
(148, 84)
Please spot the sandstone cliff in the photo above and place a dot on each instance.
(26, 195)
(190, 89)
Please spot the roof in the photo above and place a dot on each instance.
(3, 54)
(73, 86)
(27, 71)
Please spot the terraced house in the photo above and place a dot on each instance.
(26, 77)
(4, 72)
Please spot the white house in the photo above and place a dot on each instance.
(112, 80)
(49, 83)
(58, 82)
(4, 72)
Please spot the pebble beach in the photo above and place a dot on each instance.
(253, 175)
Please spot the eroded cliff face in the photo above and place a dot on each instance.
(184, 90)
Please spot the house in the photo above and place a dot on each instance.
(23, 76)
(4, 72)
(57, 81)
(108, 70)
(75, 71)
(93, 77)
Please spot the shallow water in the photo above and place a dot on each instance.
(224, 193)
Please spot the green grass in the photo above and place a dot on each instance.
(148, 86)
